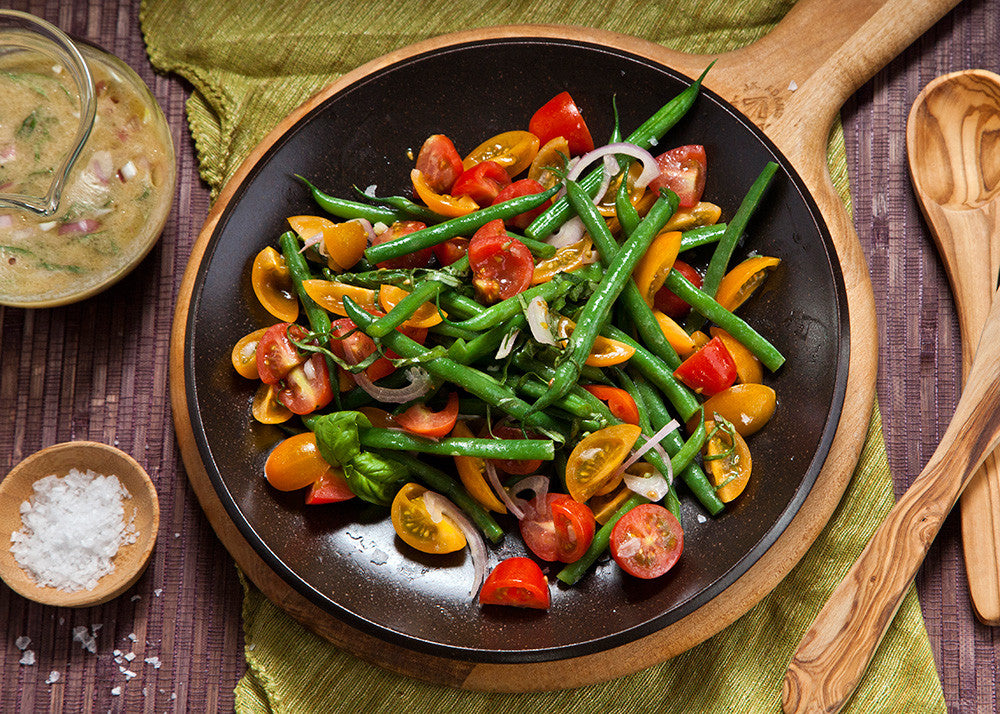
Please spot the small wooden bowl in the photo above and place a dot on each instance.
(131, 560)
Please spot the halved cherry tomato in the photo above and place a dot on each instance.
(472, 473)
(740, 282)
(272, 284)
(552, 157)
(513, 150)
(749, 370)
(729, 463)
(595, 458)
(517, 467)
(265, 406)
(419, 419)
(439, 163)
(343, 243)
(605, 506)
(605, 352)
(620, 402)
(748, 407)
(700, 214)
(427, 315)
(655, 264)
(678, 338)
(561, 529)
(417, 259)
(307, 387)
(244, 355)
(683, 171)
(709, 370)
(295, 463)
(379, 417)
(451, 250)
(502, 266)
(517, 582)
(647, 541)
(524, 187)
(329, 295)
(331, 487)
(442, 203)
(353, 345)
(415, 527)
(482, 183)
(669, 304)
(276, 355)
(566, 260)
(560, 117)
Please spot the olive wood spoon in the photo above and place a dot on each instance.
(952, 139)
(836, 649)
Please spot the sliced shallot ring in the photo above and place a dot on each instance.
(650, 169)
(539, 321)
(537, 484)
(501, 492)
(437, 507)
(650, 443)
(420, 384)
(507, 344)
(654, 486)
(569, 233)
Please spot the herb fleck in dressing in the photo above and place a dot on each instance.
(117, 195)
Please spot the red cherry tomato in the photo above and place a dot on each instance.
(516, 467)
(647, 541)
(420, 420)
(331, 487)
(306, 387)
(709, 370)
(669, 304)
(560, 117)
(517, 582)
(560, 530)
(451, 250)
(276, 355)
(416, 259)
(682, 170)
(620, 402)
(482, 183)
(524, 187)
(502, 266)
(439, 162)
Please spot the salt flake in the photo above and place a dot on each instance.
(22, 642)
(28, 658)
(792, 86)
(52, 678)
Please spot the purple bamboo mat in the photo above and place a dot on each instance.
(98, 370)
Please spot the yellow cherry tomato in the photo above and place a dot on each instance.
(343, 243)
(605, 506)
(441, 203)
(740, 282)
(554, 155)
(729, 464)
(566, 260)
(748, 407)
(295, 463)
(244, 355)
(605, 352)
(676, 335)
(700, 214)
(265, 406)
(472, 472)
(329, 295)
(749, 370)
(272, 284)
(607, 205)
(414, 526)
(593, 461)
(427, 315)
(655, 265)
(513, 150)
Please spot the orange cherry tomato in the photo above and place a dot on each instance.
(678, 338)
(420, 420)
(329, 295)
(749, 370)
(740, 282)
(427, 315)
(343, 244)
(272, 284)
(295, 463)
(748, 407)
(512, 150)
(605, 351)
(516, 582)
(566, 260)
(656, 263)
(728, 459)
(266, 408)
(416, 528)
(244, 356)
(620, 402)
(700, 214)
(595, 458)
(472, 473)
(552, 158)
(442, 203)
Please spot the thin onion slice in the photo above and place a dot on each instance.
(652, 443)
(507, 344)
(538, 485)
(654, 486)
(439, 507)
(501, 492)
(569, 233)
(537, 313)
(420, 384)
(650, 169)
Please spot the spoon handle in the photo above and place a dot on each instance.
(837, 648)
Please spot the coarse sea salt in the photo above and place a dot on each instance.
(72, 527)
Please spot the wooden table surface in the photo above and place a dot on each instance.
(98, 370)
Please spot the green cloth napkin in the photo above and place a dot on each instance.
(250, 64)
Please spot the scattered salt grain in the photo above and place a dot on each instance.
(155, 661)
(128, 673)
(136, 598)
(130, 656)
(71, 530)
(158, 592)
(133, 637)
(701, 518)
(87, 640)
(52, 678)
(117, 653)
(22, 642)
(792, 86)
(116, 691)
(28, 657)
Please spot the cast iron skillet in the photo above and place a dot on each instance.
(345, 558)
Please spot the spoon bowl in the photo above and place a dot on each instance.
(142, 506)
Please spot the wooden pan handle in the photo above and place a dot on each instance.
(837, 648)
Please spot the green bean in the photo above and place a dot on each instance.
(472, 380)
(446, 329)
(342, 208)
(444, 484)
(598, 307)
(487, 343)
(376, 438)
(628, 217)
(767, 353)
(575, 570)
(673, 504)
(703, 235)
(405, 308)
(458, 305)
(404, 205)
(432, 235)
(574, 404)
(537, 247)
(649, 131)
